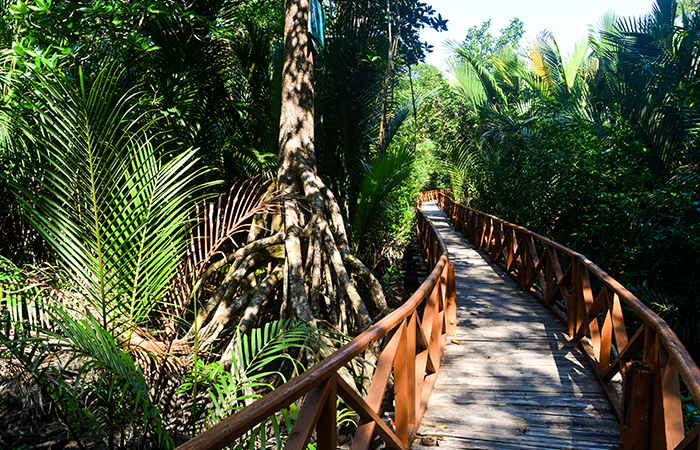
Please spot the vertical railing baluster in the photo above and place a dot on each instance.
(435, 253)
(606, 333)
(451, 308)
(525, 258)
(572, 300)
(401, 388)
(486, 234)
(412, 395)
(467, 223)
(635, 424)
(618, 323)
(586, 301)
(458, 212)
(482, 232)
(435, 332)
(666, 413)
(498, 242)
(327, 427)
(548, 289)
(405, 381)
(512, 249)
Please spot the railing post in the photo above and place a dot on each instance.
(489, 235)
(548, 288)
(482, 233)
(606, 332)
(457, 222)
(436, 305)
(511, 249)
(467, 224)
(474, 229)
(572, 300)
(434, 253)
(405, 382)
(666, 414)
(635, 425)
(526, 260)
(310, 414)
(327, 427)
(497, 236)
(451, 302)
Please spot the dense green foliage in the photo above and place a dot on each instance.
(481, 44)
(116, 118)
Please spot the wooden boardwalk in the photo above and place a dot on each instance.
(511, 379)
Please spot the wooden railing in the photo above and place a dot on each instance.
(432, 195)
(654, 366)
(413, 344)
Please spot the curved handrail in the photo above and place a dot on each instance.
(649, 405)
(412, 352)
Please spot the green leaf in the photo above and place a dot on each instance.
(113, 205)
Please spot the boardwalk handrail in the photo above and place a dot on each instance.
(649, 404)
(412, 351)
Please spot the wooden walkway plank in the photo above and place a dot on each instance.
(511, 378)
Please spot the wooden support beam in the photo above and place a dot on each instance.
(327, 427)
(348, 394)
(666, 414)
(309, 415)
(635, 428)
(451, 308)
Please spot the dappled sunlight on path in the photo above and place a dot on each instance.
(511, 378)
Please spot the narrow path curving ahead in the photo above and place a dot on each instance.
(511, 378)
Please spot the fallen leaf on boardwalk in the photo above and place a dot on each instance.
(488, 306)
(455, 341)
(440, 426)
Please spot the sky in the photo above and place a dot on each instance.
(567, 20)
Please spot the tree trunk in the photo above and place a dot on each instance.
(297, 176)
(303, 251)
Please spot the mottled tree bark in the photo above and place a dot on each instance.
(297, 175)
(300, 260)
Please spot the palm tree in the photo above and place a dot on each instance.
(560, 75)
(474, 82)
(112, 205)
(651, 71)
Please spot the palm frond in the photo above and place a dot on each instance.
(401, 113)
(256, 360)
(100, 354)
(573, 64)
(490, 86)
(112, 205)
(386, 172)
(219, 227)
(467, 84)
(460, 167)
(648, 62)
